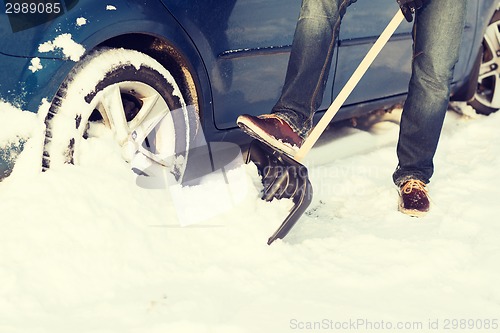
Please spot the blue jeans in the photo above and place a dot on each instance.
(437, 35)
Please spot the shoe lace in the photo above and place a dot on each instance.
(413, 184)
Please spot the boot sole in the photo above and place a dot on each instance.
(256, 133)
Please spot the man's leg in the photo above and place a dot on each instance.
(310, 61)
(437, 36)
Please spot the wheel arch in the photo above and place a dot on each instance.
(154, 31)
(170, 56)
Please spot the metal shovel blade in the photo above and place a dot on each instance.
(282, 177)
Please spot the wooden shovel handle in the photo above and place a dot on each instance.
(349, 86)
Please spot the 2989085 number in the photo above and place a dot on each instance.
(32, 8)
(471, 324)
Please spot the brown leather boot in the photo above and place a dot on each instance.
(413, 198)
(271, 130)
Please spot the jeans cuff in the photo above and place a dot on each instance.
(291, 118)
(402, 179)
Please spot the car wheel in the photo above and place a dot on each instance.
(130, 93)
(487, 97)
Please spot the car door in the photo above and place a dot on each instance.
(245, 45)
(390, 73)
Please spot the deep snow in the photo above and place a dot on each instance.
(84, 249)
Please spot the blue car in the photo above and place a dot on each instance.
(180, 67)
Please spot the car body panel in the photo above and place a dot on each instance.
(362, 24)
(245, 55)
(393, 66)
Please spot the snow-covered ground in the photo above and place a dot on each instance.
(84, 249)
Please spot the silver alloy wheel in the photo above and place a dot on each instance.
(140, 120)
(130, 93)
(487, 97)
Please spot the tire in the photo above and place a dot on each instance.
(486, 99)
(130, 93)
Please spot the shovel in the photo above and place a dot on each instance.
(284, 176)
